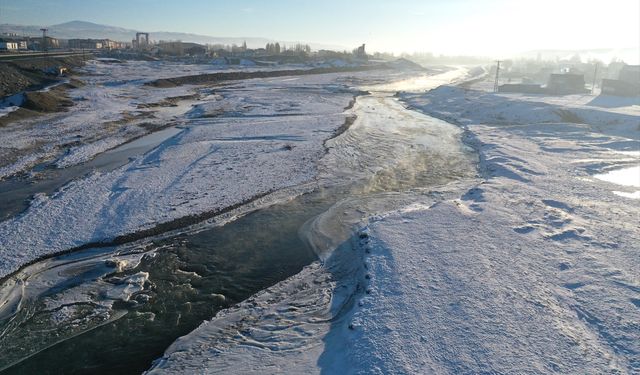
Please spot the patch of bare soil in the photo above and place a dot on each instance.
(168, 102)
(47, 102)
(17, 115)
(202, 79)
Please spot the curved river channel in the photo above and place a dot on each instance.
(115, 310)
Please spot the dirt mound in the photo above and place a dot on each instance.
(202, 79)
(72, 84)
(405, 64)
(162, 84)
(13, 81)
(17, 115)
(27, 74)
(48, 101)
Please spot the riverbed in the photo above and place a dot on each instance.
(114, 308)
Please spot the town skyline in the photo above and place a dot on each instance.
(454, 27)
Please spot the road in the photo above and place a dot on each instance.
(37, 55)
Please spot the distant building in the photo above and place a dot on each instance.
(360, 52)
(171, 48)
(564, 84)
(8, 46)
(95, 44)
(179, 48)
(86, 44)
(13, 38)
(627, 84)
(630, 73)
(195, 50)
(34, 43)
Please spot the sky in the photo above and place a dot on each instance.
(453, 27)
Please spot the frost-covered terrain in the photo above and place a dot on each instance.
(112, 108)
(535, 270)
(532, 267)
(229, 144)
(472, 232)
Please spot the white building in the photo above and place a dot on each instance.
(8, 46)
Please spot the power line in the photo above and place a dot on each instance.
(595, 74)
(496, 83)
(44, 47)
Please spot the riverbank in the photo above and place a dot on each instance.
(530, 269)
(257, 138)
(389, 158)
(179, 188)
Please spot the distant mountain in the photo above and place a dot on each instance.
(83, 29)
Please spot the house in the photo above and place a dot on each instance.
(14, 38)
(8, 46)
(171, 48)
(178, 48)
(630, 73)
(195, 50)
(86, 44)
(565, 84)
(627, 84)
(35, 43)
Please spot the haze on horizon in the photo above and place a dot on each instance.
(452, 27)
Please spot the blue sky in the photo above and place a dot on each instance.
(442, 26)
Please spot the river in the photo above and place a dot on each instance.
(114, 310)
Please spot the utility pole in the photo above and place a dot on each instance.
(496, 83)
(595, 74)
(44, 47)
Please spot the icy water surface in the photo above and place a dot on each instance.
(115, 310)
(95, 318)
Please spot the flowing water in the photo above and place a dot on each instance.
(114, 310)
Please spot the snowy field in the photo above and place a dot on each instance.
(230, 144)
(534, 270)
(530, 267)
(475, 232)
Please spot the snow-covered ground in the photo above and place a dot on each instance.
(535, 270)
(528, 263)
(232, 143)
(530, 268)
(111, 109)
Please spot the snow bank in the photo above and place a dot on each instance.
(268, 137)
(466, 106)
(532, 270)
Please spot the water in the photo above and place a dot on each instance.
(114, 310)
(190, 277)
(16, 192)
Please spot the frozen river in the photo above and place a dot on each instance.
(136, 299)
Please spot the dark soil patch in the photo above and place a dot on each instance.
(202, 79)
(17, 115)
(47, 102)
